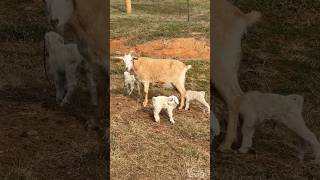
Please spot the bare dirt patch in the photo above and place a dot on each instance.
(180, 48)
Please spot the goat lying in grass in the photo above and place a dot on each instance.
(229, 25)
(257, 107)
(65, 62)
(130, 82)
(164, 102)
(196, 95)
(148, 70)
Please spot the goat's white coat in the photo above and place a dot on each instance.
(130, 82)
(164, 102)
(257, 107)
(64, 63)
(59, 12)
(196, 95)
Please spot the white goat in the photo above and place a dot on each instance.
(196, 95)
(64, 63)
(229, 25)
(164, 102)
(256, 107)
(59, 12)
(148, 70)
(88, 28)
(82, 22)
(130, 82)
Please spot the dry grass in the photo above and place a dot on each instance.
(140, 147)
(144, 149)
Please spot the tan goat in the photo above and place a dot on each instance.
(149, 70)
(229, 25)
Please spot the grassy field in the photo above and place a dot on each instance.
(280, 55)
(39, 140)
(140, 147)
(159, 20)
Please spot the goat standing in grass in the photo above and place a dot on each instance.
(130, 82)
(229, 25)
(164, 102)
(257, 107)
(86, 22)
(196, 95)
(148, 70)
(65, 62)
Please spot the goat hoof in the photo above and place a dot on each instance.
(144, 104)
(62, 104)
(92, 124)
(243, 150)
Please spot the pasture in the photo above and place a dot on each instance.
(140, 147)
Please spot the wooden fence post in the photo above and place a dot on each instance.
(128, 7)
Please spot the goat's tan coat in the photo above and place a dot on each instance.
(89, 26)
(161, 70)
(229, 24)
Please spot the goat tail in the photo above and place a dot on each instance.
(188, 67)
(252, 17)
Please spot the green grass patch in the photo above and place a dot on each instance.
(153, 20)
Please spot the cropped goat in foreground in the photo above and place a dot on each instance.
(257, 107)
(214, 125)
(196, 95)
(85, 23)
(229, 25)
(65, 62)
(130, 82)
(164, 102)
(148, 70)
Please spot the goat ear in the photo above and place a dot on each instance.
(131, 52)
(117, 57)
(298, 100)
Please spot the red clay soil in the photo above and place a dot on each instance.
(180, 48)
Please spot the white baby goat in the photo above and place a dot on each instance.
(164, 102)
(64, 61)
(256, 107)
(196, 95)
(129, 83)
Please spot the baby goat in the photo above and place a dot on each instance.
(64, 63)
(196, 95)
(164, 102)
(129, 83)
(256, 107)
